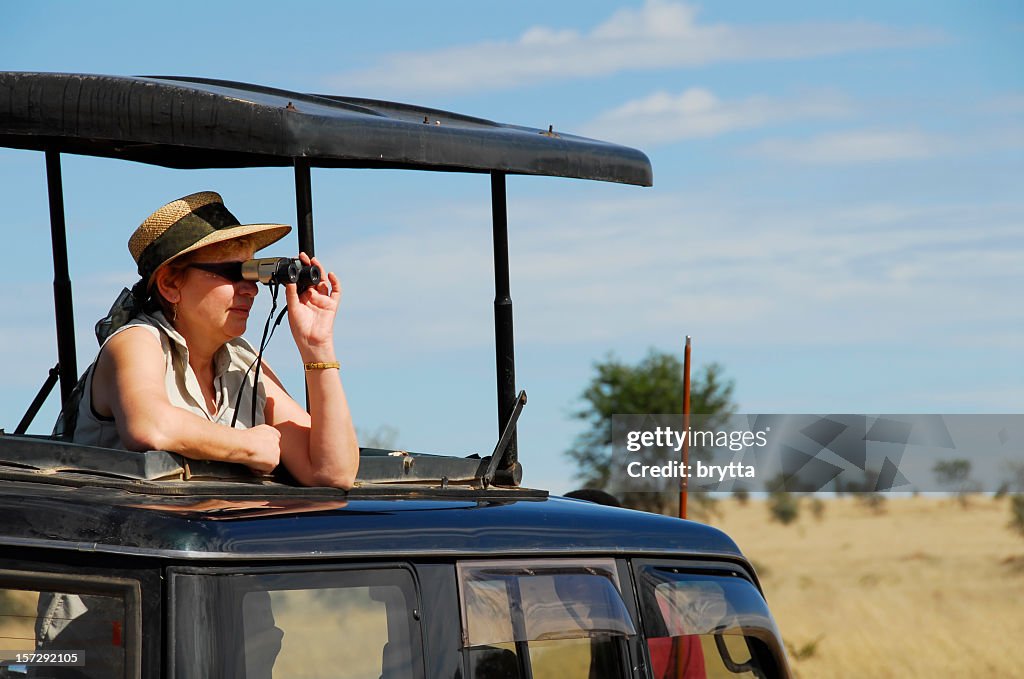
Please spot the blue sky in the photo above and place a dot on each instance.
(837, 212)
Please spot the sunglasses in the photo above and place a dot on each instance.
(232, 271)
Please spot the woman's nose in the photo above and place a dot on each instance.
(247, 288)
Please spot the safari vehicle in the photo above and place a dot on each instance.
(431, 566)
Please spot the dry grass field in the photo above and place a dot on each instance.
(923, 588)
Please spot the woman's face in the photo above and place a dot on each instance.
(211, 304)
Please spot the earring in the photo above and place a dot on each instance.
(174, 313)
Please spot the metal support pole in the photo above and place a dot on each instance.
(39, 400)
(504, 354)
(304, 206)
(62, 302)
(304, 214)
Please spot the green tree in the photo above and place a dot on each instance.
(652, 386)
(955, 475)
(952, 473)
(817, 508)
(1017, 513)
(783, 506)
(741, 494)
(1015, 470)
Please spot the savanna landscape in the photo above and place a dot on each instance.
(903, 587)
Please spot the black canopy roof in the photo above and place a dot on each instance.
(199, 123)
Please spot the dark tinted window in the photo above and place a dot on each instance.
(68, 626)
(356, 624)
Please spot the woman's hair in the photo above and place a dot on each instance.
(176, 268)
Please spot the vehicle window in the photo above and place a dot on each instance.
(53, 633)
(557, 619)
(700, 626)
(357, 624)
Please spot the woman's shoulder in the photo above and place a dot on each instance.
(144, 322)
(129, 347)
(133, 333)
(133, 337)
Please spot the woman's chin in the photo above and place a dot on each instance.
(236, 324)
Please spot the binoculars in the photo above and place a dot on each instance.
(281, 270)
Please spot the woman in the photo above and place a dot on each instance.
(169, 378)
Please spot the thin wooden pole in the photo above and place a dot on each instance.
(684, 480)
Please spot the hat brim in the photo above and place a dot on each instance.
(262, 235)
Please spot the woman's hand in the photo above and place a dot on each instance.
(262, 450)
(311, 314)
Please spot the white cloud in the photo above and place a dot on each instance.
(697, 113)
(540, 36)
(660, 34)
(856, 146)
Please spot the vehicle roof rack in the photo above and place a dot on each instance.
(47, 456)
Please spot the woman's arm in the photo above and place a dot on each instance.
(128, 384)
(320, 447)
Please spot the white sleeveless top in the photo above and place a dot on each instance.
(230, 365)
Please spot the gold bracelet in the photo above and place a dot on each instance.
(321, 365)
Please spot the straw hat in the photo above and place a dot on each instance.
(188, 224)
